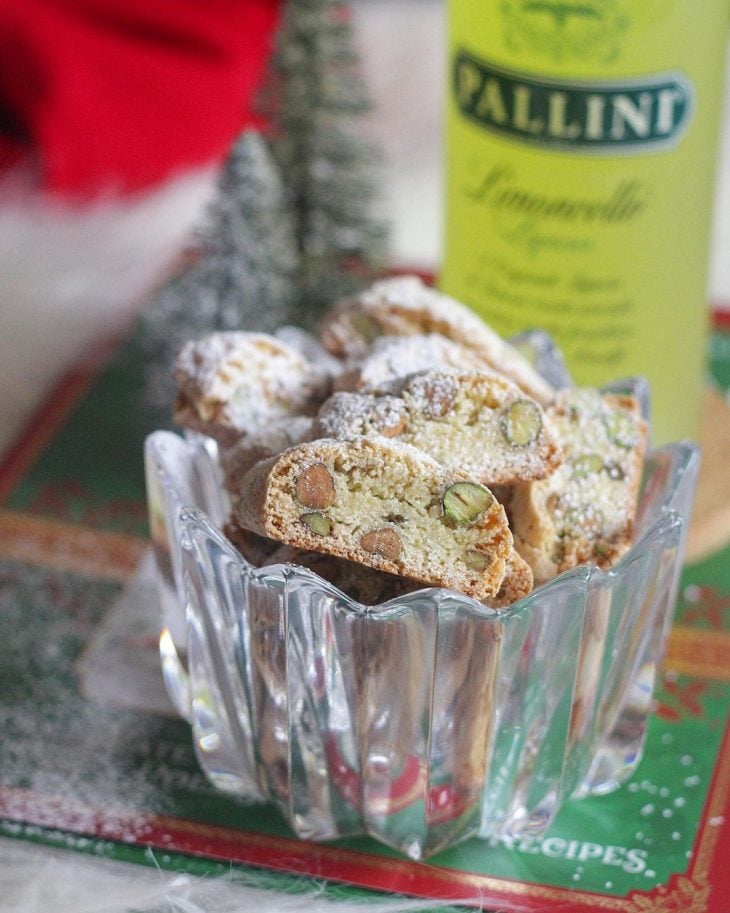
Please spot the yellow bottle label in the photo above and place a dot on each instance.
(581, 140)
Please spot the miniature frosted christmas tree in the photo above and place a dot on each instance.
(285, 236)
(316, 99)
(245, 274)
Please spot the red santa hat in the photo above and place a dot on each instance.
(113, 97)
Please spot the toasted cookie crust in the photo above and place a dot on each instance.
(475, 421)
(390, 359)
(406, 306)
(585, 511)
(517, 583)
(385, 505)
(233, 384)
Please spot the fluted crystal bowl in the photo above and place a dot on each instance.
(427, 719)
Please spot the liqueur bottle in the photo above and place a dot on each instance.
(581, 145)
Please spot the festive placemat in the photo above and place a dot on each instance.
(710, 528)
(92, 758)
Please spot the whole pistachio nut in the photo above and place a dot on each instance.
(587, 464)
(465, 502)
(521, 423)
(318, 523)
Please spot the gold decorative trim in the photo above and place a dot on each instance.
(68, 547)
(699, 653)
(685, 895)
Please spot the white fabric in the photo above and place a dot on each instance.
(37, 879)
(70, 276)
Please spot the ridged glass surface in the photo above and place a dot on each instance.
(425, 720)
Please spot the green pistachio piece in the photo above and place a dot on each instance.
(318, 523)
(477, 561)
(366, 326)
(586, 465)
(621, 429)
(465, 502)
(521, 423)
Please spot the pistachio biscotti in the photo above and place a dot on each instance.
(584, 512)
(372, 587)
(405, 306)
(231, 384)
(475, 421)
(385, 505)
(392, 358)
(438, 433)
(517, 582)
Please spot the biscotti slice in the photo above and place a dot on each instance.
(392, 358)
(383, 504)
(585, 511)
(371, 587)
(474, 421)
(362, 583)
(517, 583)
(275, 436)
(234, 383)
(405, 306)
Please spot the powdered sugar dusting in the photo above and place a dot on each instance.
(409, 293)
(408, 300)
(311, 348)
(262, 442)
(392, 358)
(242, 379)
(433, 392)
(458, 418)
(346, 415)
(279, 434)
(585, 510)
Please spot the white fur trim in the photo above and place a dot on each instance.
(72, 274)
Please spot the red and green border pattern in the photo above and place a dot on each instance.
(703, 888)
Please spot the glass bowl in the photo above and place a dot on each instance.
(427, 719)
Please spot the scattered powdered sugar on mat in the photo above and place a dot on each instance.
(120, 667)
(66, 761)
(82, 772)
